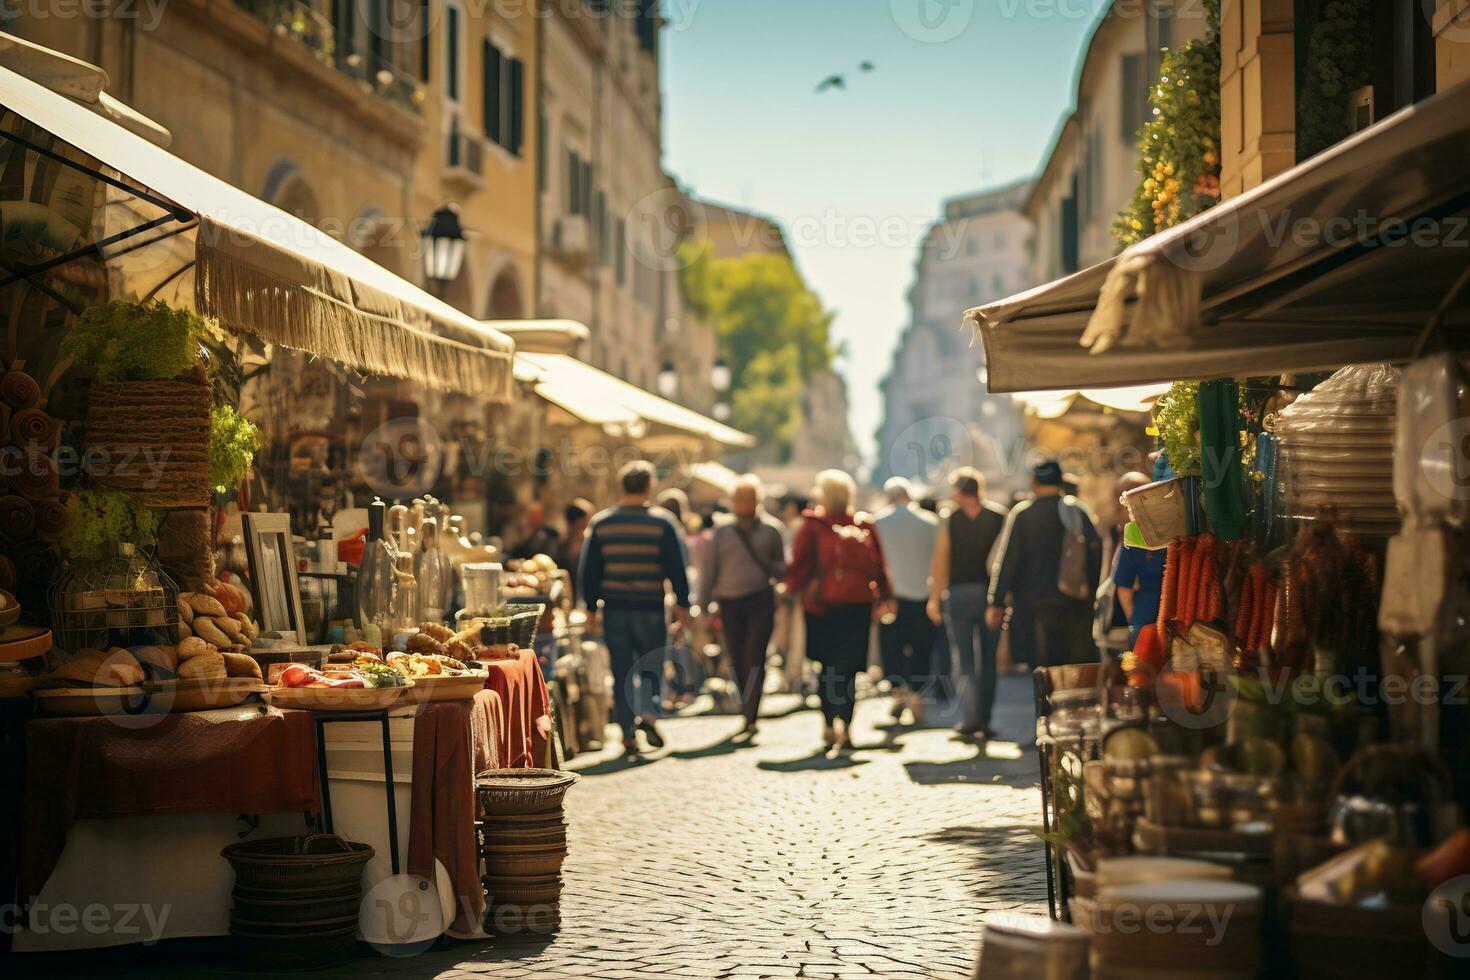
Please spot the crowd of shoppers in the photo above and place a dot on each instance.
(810, 582)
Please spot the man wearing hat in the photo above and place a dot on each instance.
(1049, 556)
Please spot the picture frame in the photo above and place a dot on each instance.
(272, 559)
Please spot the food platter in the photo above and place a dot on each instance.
(460, 687)
(202, 695)
(339, 698)
(92, 701)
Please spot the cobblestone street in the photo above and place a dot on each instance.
(710, 860)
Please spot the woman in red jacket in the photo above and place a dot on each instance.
(837, 568)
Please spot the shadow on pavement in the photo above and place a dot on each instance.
(981, 768)
(618, 764)
(818, 762)
(728, 745)
(1013, 855)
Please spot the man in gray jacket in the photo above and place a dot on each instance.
(744, 560)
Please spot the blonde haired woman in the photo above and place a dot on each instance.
(838, 570)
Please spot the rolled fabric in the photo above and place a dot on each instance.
(17, 518)
(7, 574)
(32, 429)
(19, 390)
(52, 517)
(36, 477)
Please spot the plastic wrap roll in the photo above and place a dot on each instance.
(37, 477)
(33, 429)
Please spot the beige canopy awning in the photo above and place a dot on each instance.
(1055, 404)
(254, 267)
(598, 398)
(1343, 259)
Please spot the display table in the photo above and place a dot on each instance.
(522, 690)
(246, 760)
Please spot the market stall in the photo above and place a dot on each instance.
(1284, 747)
(173, 688)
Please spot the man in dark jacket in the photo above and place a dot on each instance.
(1047, 626)
(632, 553)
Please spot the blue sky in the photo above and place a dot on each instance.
(965, 94)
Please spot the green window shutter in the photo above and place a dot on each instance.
(517, 89)
(493, 116)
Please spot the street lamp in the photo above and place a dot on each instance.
(668, 380)
(719, 375)
(443, 239)
(722, 411)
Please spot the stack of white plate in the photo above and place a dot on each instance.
(1336, 451)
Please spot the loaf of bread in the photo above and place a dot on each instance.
(162, 660)
(205, 630)
(113, 668)
(205, 666)
(241, 665)
(192, 647)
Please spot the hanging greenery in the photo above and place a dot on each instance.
(132, 342)
(102, 519)
(1179, 147)
(1176, 415)
(233, 441)
(1339, 60)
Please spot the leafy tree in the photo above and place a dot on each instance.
(772, 330)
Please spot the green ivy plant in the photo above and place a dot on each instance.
(1339, 59)
(1176, 415)
(1179, 147)
(233, 442)
(102, 519)
(124, 341)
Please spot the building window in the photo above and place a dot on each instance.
(454, 52)
(647, 26)
(505, 98)
(579, 185)
(998, 283)
(1134, 96)
(621, 247)
(974, 288)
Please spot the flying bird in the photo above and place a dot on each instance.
(866, 66)
(832, 81)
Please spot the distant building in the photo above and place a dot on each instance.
(937, 410)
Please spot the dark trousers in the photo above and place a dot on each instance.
(907, 645)
(973, 647)
(1063, 631)
(637, 644)
(838, 638)
(749, 622)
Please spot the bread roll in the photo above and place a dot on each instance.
(206, 606)
(184, 631)
(161, 659)
(205, 630)
(241, 665)
(186, 611)
(115, 668)
(205, 666)
(192, 647)
(229, 627)
(438, 631)
(424, 643)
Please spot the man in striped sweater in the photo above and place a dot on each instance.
(631, 555)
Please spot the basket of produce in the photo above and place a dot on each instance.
(320, 860)
(522, 791)
(367, 687)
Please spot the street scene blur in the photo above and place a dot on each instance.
(911, 489)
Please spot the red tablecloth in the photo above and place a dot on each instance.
(452, 740)
(250, 759)
(522, 691)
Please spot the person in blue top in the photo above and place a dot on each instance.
(1139, 578)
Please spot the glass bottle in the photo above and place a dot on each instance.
(377, 586)
(435, 575)
(406, 598)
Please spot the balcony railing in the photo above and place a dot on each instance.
(314, 29)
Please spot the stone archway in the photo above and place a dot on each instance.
(287, 188)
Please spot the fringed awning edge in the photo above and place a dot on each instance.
(296, 312)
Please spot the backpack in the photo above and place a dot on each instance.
(1073, 580)
(849, 565)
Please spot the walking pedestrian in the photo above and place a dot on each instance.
(1138, 573)
(837, 568)
(790, 638)
(907, 533)
(743, 562)
(568, 553)
(633, 553)
(1046, 571)
(960, 593)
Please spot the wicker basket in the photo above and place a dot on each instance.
(524, 625)
(295, 911)
(153, 438)
(526, 863)
(321, 860)
(522, 791)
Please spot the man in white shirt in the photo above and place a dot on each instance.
(907, 533)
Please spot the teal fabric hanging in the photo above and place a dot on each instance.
(1223, 476)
